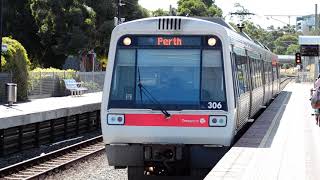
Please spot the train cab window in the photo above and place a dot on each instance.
(123, 84)
(172, 76)
(179, 76)
(212, 76)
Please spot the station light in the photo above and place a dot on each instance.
(298, 59)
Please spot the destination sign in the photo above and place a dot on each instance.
(161, 41)
(309, 50)
(171, 41)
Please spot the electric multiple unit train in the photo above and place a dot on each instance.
(178, 89)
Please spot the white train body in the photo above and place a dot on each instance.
(210, 79)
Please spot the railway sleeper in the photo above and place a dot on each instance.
(12, 178)
(20, 175)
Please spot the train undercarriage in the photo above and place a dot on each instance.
(164, 160)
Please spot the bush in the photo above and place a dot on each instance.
(92, 86)
(16, 61)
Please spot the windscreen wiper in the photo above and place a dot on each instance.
(144, 91)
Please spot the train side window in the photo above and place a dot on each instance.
(242, 72)
(124, 75)
(266, 72)
(234, 77)
(259, 67)
(257, 74)
(253, 72)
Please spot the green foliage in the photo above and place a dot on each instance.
(105, 11)
(160, 12)
(208, 3)
(214, 10)
(53, 29)
(280, 41)
(19, 24)
(103, 61)
(73, 27)
(292, 49)
(17, 63)
(283, 42)
(133, 10)
(51, 69)
(66, 27)
(93, 86)
(198, 8)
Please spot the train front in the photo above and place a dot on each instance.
(164, 105)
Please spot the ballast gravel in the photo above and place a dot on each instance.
(93, 168)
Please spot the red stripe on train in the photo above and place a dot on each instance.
(160, 120)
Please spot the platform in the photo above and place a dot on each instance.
(39, 110)
(283, 143)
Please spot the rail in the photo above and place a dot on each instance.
(41, 165)
(284, 82)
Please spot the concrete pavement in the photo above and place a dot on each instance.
(38, 110)
(286, 148)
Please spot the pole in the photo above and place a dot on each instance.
(118, 10)
(316, 19)
(1, 3)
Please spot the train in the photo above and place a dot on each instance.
(178, 90)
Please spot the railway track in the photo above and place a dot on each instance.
(39, 166)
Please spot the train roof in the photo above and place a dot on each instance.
(176, 23)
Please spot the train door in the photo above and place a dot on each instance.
(274, 80)
(242, 75)
(263, 78)
(257, 89)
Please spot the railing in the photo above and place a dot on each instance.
(305, 77)
(48, 84)
(4, 78)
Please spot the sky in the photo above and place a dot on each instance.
(260, 8)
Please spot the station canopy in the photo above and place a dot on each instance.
(309, 40)
(309, 45)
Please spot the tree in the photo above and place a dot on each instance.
(19, 24)
(132, 10)
(104, 24)
(65, 27)
(160, 12)
(198, 8)
(292, 49)
(283, 42)
(214, 10)
(208, 3)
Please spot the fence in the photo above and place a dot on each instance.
(4, 78)
(305, 77)
(48, 84)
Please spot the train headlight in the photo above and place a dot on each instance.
(127, 41)
(115, 119)
(212, 41)
(217, 121)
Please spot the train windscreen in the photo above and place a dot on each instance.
(185, 74)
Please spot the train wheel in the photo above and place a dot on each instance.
(135, 172)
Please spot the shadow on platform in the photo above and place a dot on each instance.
(262, 131)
